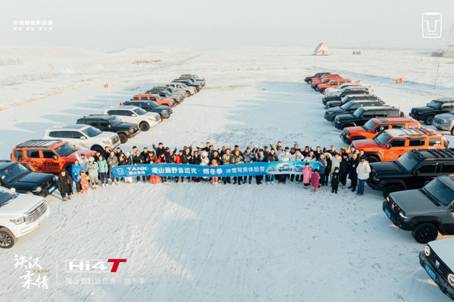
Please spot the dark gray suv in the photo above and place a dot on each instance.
(426, 211)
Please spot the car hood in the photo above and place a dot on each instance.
(22, 204)
(125, 125)
(356, 129)
(443, 249)
(386, 168)
(445, 116)
(345, 117)
(334, 110)
(362, 143)
(422, 109)
(31, 180)
(105, 135)
(414, 203)
(152, 115)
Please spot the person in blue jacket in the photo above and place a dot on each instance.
(76, 170)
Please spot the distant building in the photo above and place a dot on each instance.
(321, 50)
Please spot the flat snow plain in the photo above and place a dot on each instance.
(198, 242)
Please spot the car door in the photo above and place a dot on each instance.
(33, 159)
(50, 161)
(424, 173)
(397, 147)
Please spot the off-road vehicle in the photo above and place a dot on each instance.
(165, 92)
(194, 77)
(47, 155)
(84, 137)
(434, 107)
(151, 106)
(16, 176)
(348, 91)
(361, 115)
(349, 98)
(444, 121)
(388, 145)
(350, 107)
(376, 125)
(437, 259)
(20, 214)
(109, 123)
(135, 115)
(317, 75)
(163, 101)
(426, 211)
(412, 170)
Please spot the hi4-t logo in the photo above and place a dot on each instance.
(94, 265)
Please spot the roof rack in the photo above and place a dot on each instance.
(33, 143)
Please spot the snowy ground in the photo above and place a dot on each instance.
(198, 242)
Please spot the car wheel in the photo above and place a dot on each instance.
(425, 232)
(391, 189)
(428, 120)
(7, 239)
(144, 126)
(123, 138)
(373, 158)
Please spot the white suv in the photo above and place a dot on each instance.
(84, 137)
(133, 114)
(19, 215)
(183, 87)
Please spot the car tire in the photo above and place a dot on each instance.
(373, 158)
(144, 126)
(392, 188)
(425, 232)
(7, 239)
(428, 120)
(123, 138)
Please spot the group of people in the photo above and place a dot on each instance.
(335, 166)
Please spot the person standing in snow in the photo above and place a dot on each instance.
(343, 170)
(353, 164)
(76, 171)
(103, 170)
(315, 180)
(307, 175)
(64, 185)
(283, 157)
(363, 171)
(92, 169)
(335, 180)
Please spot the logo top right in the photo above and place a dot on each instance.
(431, 25)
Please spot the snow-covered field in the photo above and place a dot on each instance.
(198, 242)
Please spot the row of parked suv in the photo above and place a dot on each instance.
(35, 163)
(411, 165)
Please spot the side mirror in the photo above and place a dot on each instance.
(13, 190)
(83, 137)
(388, 146)
(109, 126)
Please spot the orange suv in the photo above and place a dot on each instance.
(390, 144)
(376, 125)
(154, 97)
(47, 155)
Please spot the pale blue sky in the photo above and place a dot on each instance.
(108, 24)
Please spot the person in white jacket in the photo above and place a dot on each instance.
(363, 171)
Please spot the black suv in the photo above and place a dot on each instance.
(426, 211)
(349, 98)
(434, 107)
(412, 170)
(14, 175)
(348, 91)
(350, 107)
(363, 114)
(110, 123)
(151, 106)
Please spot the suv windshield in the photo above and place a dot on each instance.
(408, 161)
(439, 191)
(91, 131)
(370, 125)
(12, 172)
(139, 111)
(65, 149)
(358, 112)
(6, 197)
(382, 138)
(434, 104)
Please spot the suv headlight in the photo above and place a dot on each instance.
(427, 250)
(451, 279)
(38, 189)
(18, 220)
(402, 215)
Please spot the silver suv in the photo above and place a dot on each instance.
(426, 211)
(444, 121)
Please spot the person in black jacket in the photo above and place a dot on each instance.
(343, 170)
(352, 174)
(335, 180)
(64, 184)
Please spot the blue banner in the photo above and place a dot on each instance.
(182, 170)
